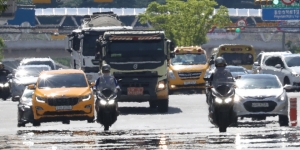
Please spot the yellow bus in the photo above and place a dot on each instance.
(236, 54)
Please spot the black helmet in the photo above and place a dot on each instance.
(220, 62)
(106, 67)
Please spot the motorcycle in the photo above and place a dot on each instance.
(4, 88)
(106, 108)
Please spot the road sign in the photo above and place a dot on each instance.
(241, 23)
(288, 2)
(281, 5)
(274, 14)
(289, 23)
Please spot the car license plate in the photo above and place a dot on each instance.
(63, 107)
(189, 82)
(135, 91)
(260, 105)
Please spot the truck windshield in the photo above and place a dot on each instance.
(238, 58)
(136, 48)
(189, 59)
(89, 45)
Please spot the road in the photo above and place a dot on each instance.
(186, 126)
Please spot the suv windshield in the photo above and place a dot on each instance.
(238, 58)
(258, 83)
(135, 48)
(62, 80)
(189, 59)
(29, 72)
(292, 61)
(49, 63)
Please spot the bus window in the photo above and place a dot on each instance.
(238, 58)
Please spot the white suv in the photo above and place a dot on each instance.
(261, 57)
(286, 67)
(39, 61)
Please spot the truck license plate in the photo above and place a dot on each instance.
(135, 91)
(260, 105)
(189, 82)
(63, 107)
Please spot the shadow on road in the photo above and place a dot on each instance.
(146, 110)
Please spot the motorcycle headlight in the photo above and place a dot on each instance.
(40, 99)
(171, 74)
(1, 85)
(218, 100)
(110, 102)
(103, 102)
(6, 84)
(228, 100)
(86, 97)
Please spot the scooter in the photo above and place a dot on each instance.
(4, 88)
(106, 107)
(221, 111)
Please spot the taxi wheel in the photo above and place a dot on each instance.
(36, 123)
(283, 120)
(21, 124)
(163, 105)
(91, 120)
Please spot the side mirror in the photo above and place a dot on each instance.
(172, 55)
(92, 84)
(172, 46)
(278, 66)
(288, 87)
(17, 98)
(95, 62)
(256, 63)
(120, 80)
(10, 76)
(31, 86)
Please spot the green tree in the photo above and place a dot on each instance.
(185, 22)
(293, 48)
(3, 7)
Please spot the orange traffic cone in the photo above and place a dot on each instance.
(293, 111)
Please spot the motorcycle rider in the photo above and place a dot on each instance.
(3, 71)
(106, 80)
(220, 75)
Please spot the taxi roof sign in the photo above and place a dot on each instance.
(189, 49)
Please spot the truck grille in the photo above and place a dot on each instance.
(189, 75)
(62, 101)
(140, 84)
(248, 106)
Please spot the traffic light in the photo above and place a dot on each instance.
(103, 1)
(237, 30)
(41, 1)
(266, 2)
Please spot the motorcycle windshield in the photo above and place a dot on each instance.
(107, 94)
(223, 83)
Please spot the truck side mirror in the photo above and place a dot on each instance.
(172, 55)
(172, 46)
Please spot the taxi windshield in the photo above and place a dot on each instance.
(258, 83)
(189, 59)
(238, 58)
(62, 80)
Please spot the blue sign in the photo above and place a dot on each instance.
(23, 15)
(275, 14)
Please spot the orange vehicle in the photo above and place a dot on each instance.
(62, 95)
(187, 68)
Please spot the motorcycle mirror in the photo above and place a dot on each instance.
(10, 76)
(120, 80)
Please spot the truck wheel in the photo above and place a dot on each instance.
(163, 105)
(36, 123)
(152, 104)
(222, 129)
(66, 122)
(283, 120)
(91, 120)
(106, 127)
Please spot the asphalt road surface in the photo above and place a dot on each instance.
(186, 126)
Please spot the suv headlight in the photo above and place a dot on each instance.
(40, 99)
(237, 98)
(281, 97)
(86, 97)
(295, 74)
(171, 74)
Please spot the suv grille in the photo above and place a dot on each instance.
(62, 101)
(189, 75)
(248, 106)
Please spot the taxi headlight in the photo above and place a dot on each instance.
(40, 99)
(171, 74)
(86, 97)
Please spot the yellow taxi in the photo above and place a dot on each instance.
(187, 68)
(62, 95)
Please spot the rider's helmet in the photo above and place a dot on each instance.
(220, 62)
(105, 68)
(1, 66)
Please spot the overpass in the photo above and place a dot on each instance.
(26, 44)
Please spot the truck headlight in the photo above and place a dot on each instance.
(171, 74)
(40, 99)
(161, 85)
(86, 97)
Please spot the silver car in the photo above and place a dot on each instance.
(24, 76)
(260, 95)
